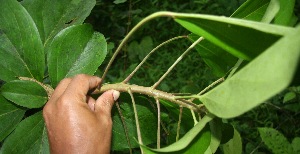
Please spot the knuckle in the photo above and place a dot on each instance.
(81, 77)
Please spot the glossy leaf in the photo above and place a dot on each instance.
(147, 120)
(75, 50)
(275, 141)
(21, 50)
(51, 16)
(10, 116)
(261, 79)
(252, 10)
(243, 39)
(186, 143)
(234, 145)
(30, 136)
(27, 94)
(286, 12)
(217, 58)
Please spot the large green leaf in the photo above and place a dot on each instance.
(285, 13)
(25, 93)
(262, 78)
(197, 140)
(30, 136)
(275, 141)
(217, 58)
(243, 39)
(75, 50)
(147, 121)
(21, 49)
(10, 116)
(51, 16)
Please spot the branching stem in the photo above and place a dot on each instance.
(177, 61)
(148, 55)
(150, 92)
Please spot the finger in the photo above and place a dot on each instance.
(105, 102)
(80, 85)
(91, 102)
(59, 90)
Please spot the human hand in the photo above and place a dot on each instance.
(77, 123)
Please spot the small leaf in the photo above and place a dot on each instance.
(10, 116)
(274, 140)
(30, 136)
(289, 96)
(295, 145)
(75, 50)
(257, 81)
(119, 1)
(21, 50)
(53, 16)
(25, 93)
(234, 145)
(188, 139)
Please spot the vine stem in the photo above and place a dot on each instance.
(158, 123)
(148, 55)
(135, 28)
(177, 61)
(136, 119)
(122, 87)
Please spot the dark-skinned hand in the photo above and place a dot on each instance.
(77, 123)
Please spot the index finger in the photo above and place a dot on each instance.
(80, 85)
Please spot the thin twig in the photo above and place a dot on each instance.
(138, 130)
(179, 122)
(235, 67)
(208, 87)
(177, 61)
(125, 127)
(158, 123)
(148, 55)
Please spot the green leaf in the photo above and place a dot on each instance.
(286, 12)
(262, 78)
(147, 121)
(119, 1)
(21, 50)
(30, 136)
(215, 57)
(10, 116)
(75, 50)
(51, 16)
(141, 49)
(216, 134)
(252, 10)
(25, 93)
(289, 96)
(243, 39)
(271, 11)
(274, 140)
(295, 145)
(189, 143)
(234, 145)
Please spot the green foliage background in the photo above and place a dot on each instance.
(276, 113)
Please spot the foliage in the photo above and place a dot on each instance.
(259, 40)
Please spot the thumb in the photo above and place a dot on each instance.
(105, 102)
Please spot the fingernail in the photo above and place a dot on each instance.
(116, 94)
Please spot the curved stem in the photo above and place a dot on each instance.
(124, 41)
(150, 92)
(148, 55)
(177, 61)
